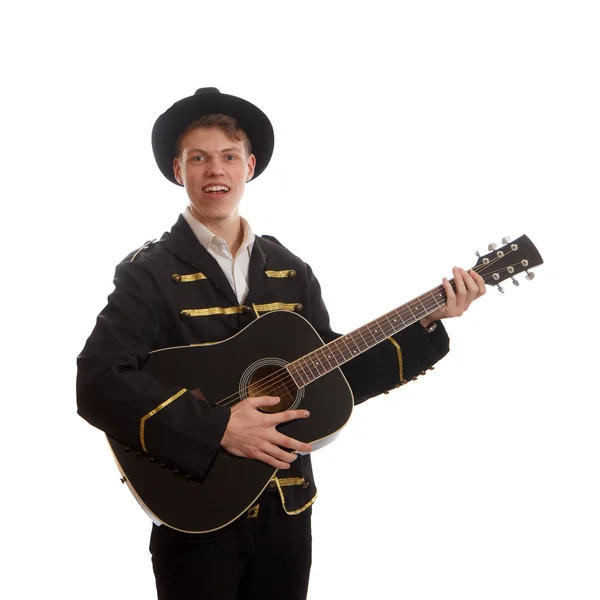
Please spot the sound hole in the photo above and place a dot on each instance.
(272, 380)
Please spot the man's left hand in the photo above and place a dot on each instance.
(469, 287)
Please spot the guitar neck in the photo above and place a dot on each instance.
(321, 361)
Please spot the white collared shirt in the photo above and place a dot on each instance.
(235, 267)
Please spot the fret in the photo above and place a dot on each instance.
(401, 318)
(377, 331)
(421, 302)
(362, 336)
(299, 380)
(311, 366)
(305, 374)
(359, 341)
(316, 362)
(441, 295)
(391, 324)
(343, 339)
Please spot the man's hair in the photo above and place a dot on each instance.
(227, 124)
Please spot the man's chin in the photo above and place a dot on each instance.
(214, 214)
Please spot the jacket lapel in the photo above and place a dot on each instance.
(258, 282)
(182, 242)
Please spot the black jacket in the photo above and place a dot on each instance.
(158, 291)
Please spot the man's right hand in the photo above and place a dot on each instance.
(251, 433)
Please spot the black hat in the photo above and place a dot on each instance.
(207, 101)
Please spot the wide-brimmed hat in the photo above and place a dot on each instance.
(207, 101)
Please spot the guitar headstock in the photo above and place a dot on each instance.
(509, 260)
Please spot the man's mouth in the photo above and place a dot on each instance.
(215, 190)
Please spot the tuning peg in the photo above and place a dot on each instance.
(492, 247)
(506, 240)
(529, 275)
(500, 289)
(516, 283)
(477, 254)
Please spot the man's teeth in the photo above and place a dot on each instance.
(216, 188)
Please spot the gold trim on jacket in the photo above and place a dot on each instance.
(400, 362)
(153, 412)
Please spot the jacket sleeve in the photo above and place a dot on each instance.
(393, 362)
(117, 396)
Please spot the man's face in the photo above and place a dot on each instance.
(214, 171)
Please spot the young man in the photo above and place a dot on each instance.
(205, 281)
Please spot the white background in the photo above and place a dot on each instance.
(407, 136)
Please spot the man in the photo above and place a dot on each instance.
(204, 281)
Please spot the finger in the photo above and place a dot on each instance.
(280, 454)
(287, 442)
(450, 295)
(472, 287)
(462, 290)
(273, 462)
(479, 280)
(263, 401)
(289, 415)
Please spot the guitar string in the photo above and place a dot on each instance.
(275, 381)
(279, 380)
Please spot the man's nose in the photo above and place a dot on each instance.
(215, 168)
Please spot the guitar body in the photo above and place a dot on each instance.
(223, 372)
(252, 363)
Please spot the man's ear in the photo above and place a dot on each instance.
(177, 170)
(251, 167)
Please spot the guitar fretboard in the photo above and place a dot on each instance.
(321, 361)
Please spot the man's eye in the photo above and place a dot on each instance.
(231, 157)
(197, 158)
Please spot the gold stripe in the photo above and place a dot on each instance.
(153, 412)
(400, 363)
(281, 274)
(217, 310)
(255, 311)
(293, 512)
(290, 481)
(275, 306)
(189, 277)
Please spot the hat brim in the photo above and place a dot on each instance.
(173, 122)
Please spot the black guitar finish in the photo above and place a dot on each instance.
(232, 484)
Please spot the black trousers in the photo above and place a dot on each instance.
(267, 556)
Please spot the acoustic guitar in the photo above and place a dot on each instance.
(279, 354)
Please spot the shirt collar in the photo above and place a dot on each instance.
(207, 238)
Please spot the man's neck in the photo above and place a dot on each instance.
(229, 229)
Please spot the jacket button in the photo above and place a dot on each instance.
(292, 273)
(305, 484)
(246, 310)
(184, 314)
(298, 307)
(176, 278)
